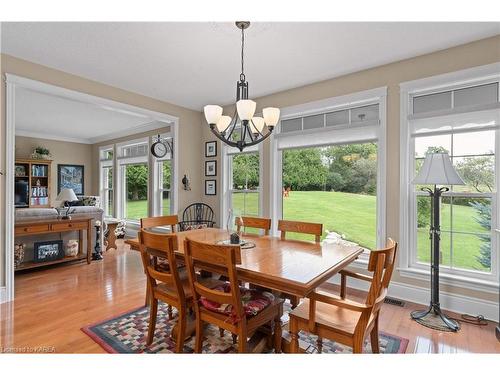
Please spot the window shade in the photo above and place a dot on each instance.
(477, 120)
(329, 137)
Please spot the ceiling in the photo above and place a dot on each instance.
(42, 115)
(193, 64)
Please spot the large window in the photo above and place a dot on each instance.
(462, 120)
(136, 191)
(329, 167)
(241, 183)
(335, 186)
(244, 189)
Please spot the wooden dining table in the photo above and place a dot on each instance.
(288, 266)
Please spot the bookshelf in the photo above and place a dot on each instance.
(32, 183)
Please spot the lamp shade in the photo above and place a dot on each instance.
(257, 124)
(271, 116)
(246, 108)
(438, 170)
(66, 195)
(223, 123)
(212, 113)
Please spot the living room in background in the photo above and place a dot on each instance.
(329, 166)
(242, 181)
(458, 113)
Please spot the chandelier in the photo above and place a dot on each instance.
(243, 129)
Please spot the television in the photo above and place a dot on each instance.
(21, 193)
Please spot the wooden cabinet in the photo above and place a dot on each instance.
(32, 183)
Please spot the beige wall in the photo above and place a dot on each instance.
(62, 153)
(482, 52)
(190, 146)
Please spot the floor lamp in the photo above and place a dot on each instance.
(436, 170)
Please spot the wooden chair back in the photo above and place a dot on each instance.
(199, 256)
(157, 245)
(160, 221)
(253, 222)
(300, 227)
(390, 252)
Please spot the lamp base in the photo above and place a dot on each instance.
(434, 318)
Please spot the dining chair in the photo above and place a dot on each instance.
(315, 229)
(160, 221)
(344, 321)
(253, 222)
(166, 285)
(236, 309)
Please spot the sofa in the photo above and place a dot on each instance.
(86, 206)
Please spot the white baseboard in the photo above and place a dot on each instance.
(452, 302)
(3, 294)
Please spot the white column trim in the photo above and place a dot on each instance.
(9, 190)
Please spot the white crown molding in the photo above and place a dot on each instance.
(130, 131)
(449, 301)
(449, 79)
(53, 137)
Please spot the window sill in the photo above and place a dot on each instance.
(452, 280)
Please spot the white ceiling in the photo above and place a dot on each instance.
(42, 115)
(193, 64)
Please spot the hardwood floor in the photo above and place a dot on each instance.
(53, 304)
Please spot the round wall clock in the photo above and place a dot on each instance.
(159, 149)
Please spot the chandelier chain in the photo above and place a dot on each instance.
(242, 75)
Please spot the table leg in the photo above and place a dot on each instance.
(89, 242)
(111, 237)
(80, 243)
(190, 327)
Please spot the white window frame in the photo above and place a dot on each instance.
(358, 99)
(103, 187)
(227, 179)
(408, 266)
(121, 161)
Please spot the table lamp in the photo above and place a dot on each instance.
(436, 170)
(66, 196)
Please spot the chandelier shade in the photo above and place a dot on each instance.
(243, 129)
(223, 123)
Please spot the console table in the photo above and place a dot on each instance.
(44, 226)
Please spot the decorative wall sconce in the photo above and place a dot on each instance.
(186, 183)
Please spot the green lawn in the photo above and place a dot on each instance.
(138, 209)
(353, 215)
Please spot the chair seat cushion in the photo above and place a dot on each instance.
(254, 301)
(195, 226)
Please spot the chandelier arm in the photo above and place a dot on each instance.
(226, 141)
(250, 132)
(257, 141)
(233, 126)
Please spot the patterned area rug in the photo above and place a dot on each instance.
(127, 333)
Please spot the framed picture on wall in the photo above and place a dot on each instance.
(210, 187)
(211, 168)
(70, 176)
(210, 149)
